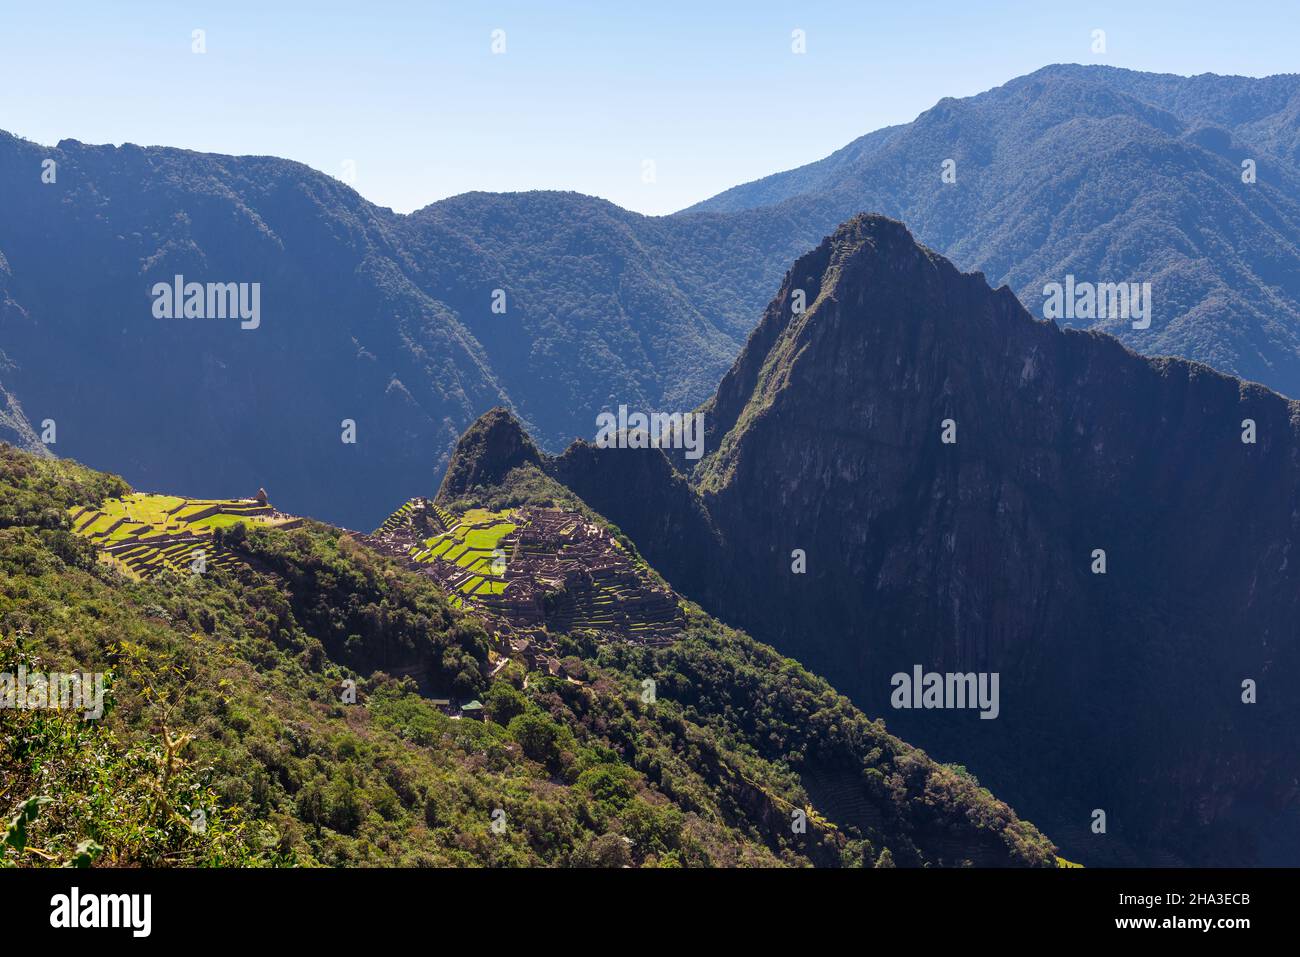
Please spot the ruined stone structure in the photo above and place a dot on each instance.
(561, 572)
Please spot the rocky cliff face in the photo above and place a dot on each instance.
(861, 789)
(1121, 690)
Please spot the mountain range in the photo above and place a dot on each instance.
(913, 472)
(1108, 175)
(560, 306)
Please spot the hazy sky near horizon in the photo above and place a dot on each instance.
(585, 93)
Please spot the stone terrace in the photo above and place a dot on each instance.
(555, 573)
(146, 534)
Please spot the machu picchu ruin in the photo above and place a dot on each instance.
(143, 534)
(532, 572)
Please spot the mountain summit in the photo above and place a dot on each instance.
(914, 471)
(1106, 175)
(494, 445)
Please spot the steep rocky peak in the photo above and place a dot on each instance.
(868, 288)
(490, 448)
(808, 280)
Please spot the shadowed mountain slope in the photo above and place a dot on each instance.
(365, 315)
(1120, 690)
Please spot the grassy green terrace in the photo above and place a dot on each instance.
(472, 543)
(144, 534)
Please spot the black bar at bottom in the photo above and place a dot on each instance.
(337, 906)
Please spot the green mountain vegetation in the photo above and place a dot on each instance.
(229, 737)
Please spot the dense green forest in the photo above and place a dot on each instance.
(226, 739)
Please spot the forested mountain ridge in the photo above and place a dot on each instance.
(1104, 174)
(409, 326)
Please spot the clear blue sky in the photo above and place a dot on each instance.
(584, 93)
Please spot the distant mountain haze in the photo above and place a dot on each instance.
(366, 315)
(1108, 175)
(559, 305)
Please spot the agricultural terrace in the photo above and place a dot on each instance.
(473, 546)
(144, 534)
(532, 571)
